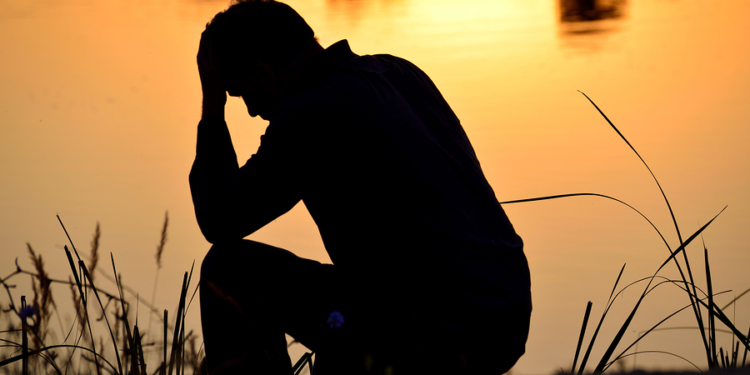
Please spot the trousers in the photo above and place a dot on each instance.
(252, 294)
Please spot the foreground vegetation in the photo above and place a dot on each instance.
(26, 349)
(707, 314)
(79, 353)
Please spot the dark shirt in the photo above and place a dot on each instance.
(390, 178)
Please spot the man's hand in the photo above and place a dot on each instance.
(214, 94)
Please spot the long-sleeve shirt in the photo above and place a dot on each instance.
(389, 176)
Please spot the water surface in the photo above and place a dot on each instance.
(99, 101)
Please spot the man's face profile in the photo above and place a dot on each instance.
(258, 85)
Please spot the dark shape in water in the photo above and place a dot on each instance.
(590, 10)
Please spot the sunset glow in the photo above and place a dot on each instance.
(99, 103)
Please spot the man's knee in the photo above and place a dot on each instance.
(215, 261)
(231, 272)
(230, 262)
(251, 262)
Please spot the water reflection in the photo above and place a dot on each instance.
(590, 10)
(355, 10)
(584, 25)
(674, 76)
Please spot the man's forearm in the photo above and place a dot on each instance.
(215, 164)
(213, 108)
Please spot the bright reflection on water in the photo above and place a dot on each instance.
(99, 101)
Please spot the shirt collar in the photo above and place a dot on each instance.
(325, 63)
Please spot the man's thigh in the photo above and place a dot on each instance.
(273, 288)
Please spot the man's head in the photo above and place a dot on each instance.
(258, 44)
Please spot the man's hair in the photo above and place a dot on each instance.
(252, 31)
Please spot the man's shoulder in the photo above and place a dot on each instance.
(381, 64)
(341, 55)
(344, 86)
(356, 86)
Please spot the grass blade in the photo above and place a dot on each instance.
(600, 367)
(166, 332)
(735, 299)
(73, 268)
(744, 356)
(580, 337)
(24, 340)
(138, 348)
(38, 351)
(306, 358)
(537, 199)
(663, 352)
(692, 295)
(125, 310)
(69, 240)
(616, 282)
(726, 321)
(134, 368)
(688, 241)
(671, 213)
(109, 327)
(653, 328)
(177, 325)
(598, 327)
(626, 324)
(711, 320)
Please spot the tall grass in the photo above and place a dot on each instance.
(701, 304)
(79, 352)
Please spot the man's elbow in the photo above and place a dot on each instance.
(215, 227)
(212, 237)
(212, 226)
(218, 233)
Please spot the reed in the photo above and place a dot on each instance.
(702, 305)
(80, 352)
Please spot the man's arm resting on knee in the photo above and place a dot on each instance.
(231, 202)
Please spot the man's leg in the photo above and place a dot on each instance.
(251, 294)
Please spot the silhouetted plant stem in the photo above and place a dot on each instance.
(166, 332)
(177, 325)
(47, 348)
(599, 325)
(24, 339)
(600, 367)
(662, 352)
(653, 328)
(550, 197)
(727, 322)
(159, 252)
(580, 337)
(692, 296)
(34, 325)
(711, 320)
(69, 240)
(109, 327)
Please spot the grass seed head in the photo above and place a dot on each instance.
(43, 299)
(163, 241)
(95, 251)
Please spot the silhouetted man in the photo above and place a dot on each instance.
(428, 275)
